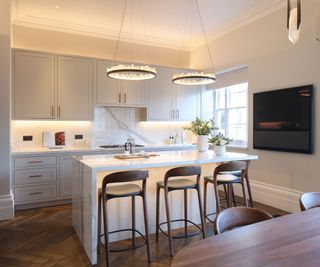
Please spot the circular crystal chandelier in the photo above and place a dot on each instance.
(194, 78)
(131, 72)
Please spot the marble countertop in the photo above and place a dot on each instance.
(70, 149)
(168, 158)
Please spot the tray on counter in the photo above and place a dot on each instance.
(136, 156)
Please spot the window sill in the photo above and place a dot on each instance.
(237, 147)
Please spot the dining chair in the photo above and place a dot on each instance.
(236, 217)
(309, 200)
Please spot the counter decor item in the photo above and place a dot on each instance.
(202, 129)
(219, 141)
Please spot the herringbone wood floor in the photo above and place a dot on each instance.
(45, 237)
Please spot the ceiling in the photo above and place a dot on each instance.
(168, 23)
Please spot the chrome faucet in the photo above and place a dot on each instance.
(129, 145)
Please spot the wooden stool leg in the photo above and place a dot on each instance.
(106, 231)
(146, 225)
(244, 194)
(133, 220)
(157, 213)
(185, 211)
(218, 209)
(249, 190)
(205, 199)
(233, 196)
(229, 186)
(226, 195)
(99, 224)
(166, 198)
(203, 225)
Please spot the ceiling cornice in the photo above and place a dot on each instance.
(100, 32)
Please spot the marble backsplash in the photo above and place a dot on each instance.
(111, 125)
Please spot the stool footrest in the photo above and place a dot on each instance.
(181, 236)
(124, 230)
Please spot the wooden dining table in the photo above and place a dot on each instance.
(291, 240)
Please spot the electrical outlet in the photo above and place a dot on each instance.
(27, 138)
(78, 136)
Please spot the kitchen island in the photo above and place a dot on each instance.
(89, 172)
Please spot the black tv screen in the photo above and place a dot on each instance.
(283, 120)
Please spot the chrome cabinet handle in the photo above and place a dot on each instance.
(178, 115)
(35, 176)
(35, 161)
(52, 111)
(35, 193)
(173, 114)
(125, 98)
(59, 111)
(119, 98)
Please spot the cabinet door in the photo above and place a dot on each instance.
(74, 88)
(161, 96)
(33, 94)
(66, 176)
(107, 89)
(188, 99)
(133, 93)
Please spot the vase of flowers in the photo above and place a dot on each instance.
(220, 141)
(202, 129)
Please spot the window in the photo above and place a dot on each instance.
(230, 112)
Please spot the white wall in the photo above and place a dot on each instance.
(274, 63)
(6, 202)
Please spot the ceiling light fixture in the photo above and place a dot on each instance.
(132, 72)
(197, 77)
(294, 20)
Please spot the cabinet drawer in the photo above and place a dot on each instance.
(30, 176)
(35, 161)
(37, 193)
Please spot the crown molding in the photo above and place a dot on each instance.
(98, 32)
(262, 10)
(252, 15)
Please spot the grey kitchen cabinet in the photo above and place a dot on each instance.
(33, 85)
(74, 88)
(171, 102)
(48, 86)
(112, 92)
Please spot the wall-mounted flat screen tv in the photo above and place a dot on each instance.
(283, 120)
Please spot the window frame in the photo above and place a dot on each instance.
(226, 109)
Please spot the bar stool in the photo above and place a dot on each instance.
(179, 184)
(227, 174)
(107, 193)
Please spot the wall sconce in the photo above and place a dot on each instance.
(294, 20)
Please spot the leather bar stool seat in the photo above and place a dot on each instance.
(123, 190)
(225, 178)
(178, 184)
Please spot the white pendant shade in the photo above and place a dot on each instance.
(294, 30)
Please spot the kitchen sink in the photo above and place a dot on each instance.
(117, 146)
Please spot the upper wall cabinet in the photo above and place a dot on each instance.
(34, 85)
(52, 87)
(112, 92)
(168, 101)
(74, 88)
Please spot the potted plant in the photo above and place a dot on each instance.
(220, 141)
(202, 129)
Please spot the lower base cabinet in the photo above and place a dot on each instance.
(42, 178)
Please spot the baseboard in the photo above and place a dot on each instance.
(6, 207)
(279, 197)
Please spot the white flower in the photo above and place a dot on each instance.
(222, 142)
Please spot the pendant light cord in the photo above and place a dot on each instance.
(205, 36)
(121, 27)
